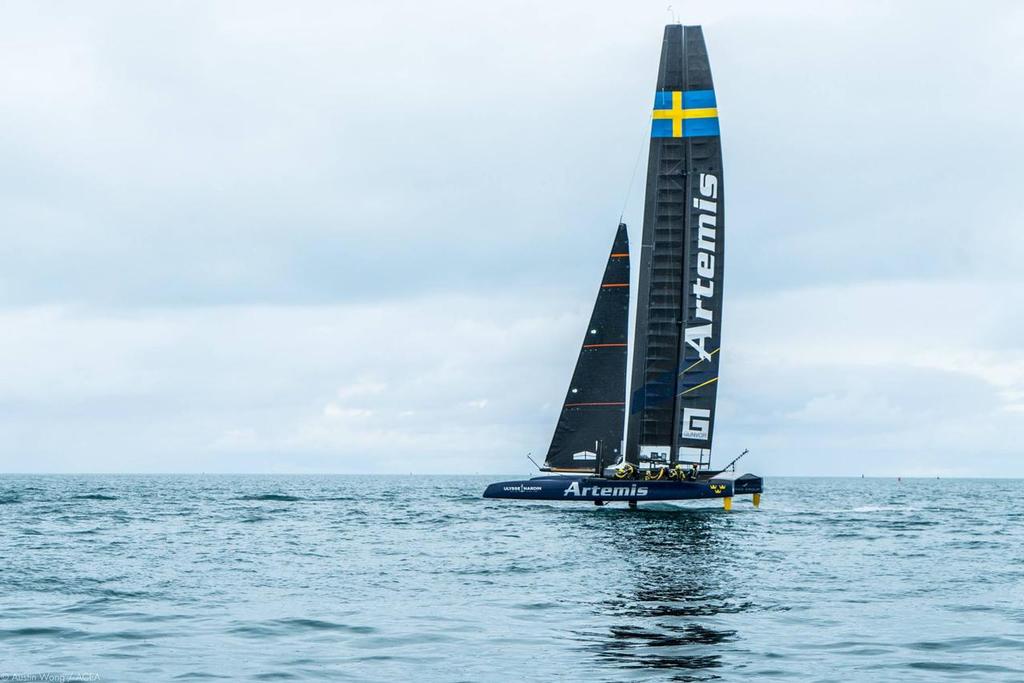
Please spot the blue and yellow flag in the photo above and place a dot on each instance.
(679, 114)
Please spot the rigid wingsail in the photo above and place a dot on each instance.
(655, 444)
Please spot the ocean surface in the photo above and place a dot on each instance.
(357, 578)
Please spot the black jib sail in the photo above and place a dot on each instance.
(679, 312)
(592, 419)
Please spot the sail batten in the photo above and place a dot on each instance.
(590, 425)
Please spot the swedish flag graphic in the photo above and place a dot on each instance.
(684, 114)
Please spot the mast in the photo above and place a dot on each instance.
(675, 362)
(593, 414)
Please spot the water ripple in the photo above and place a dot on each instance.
(399, 578)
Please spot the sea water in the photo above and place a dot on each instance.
(355, 578)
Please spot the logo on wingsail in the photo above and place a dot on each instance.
(696, 423)
(699, 336)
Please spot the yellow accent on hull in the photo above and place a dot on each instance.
(727, 502)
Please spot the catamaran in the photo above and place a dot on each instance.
(666, 453)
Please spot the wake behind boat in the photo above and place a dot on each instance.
(666, 454)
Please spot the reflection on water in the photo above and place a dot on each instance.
(665, 615)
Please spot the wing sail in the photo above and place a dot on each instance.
(679, 312)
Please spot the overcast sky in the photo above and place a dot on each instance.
(366, 237)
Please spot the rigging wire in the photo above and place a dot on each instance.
(644, 141)
(646, 136)
(632, 178)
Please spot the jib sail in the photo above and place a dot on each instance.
(593, 415)
(676, 349)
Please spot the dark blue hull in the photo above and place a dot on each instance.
(624, 490)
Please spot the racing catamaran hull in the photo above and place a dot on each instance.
(601, 489)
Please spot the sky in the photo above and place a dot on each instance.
(366, 237)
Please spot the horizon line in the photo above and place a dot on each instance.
(460, 474)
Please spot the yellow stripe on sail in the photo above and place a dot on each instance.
(702, 384)
(701, 360)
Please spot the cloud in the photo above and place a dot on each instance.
(194, 154)
(334, 411)
(821, 380)
(457, 382)
(878, 377)
(365, 237)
